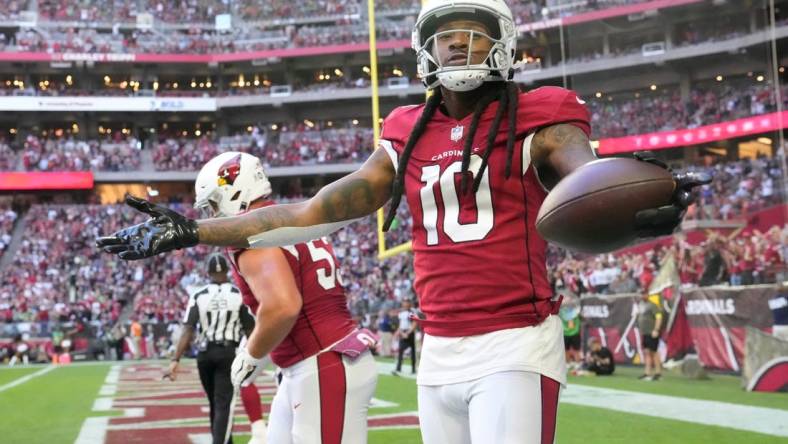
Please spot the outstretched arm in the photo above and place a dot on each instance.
(337, 204)
(557, 150)
(340, 202)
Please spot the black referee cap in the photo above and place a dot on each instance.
(217, 263)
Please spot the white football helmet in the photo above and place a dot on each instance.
(497, 66)
(229, 183)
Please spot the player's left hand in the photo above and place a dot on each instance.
(166, 230)
(664, 220)
(245, 368)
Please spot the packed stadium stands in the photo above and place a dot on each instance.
(7, 219)
(664, 109)
(315, 142)
(66, 153)
(204, 11)
(302, 145)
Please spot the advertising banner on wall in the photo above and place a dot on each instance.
(123, 104)
(709, 321)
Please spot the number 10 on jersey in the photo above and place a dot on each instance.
(447, 187)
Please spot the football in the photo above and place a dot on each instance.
(592, 210)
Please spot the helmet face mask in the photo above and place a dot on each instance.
(467, 76)
(229, 183)
(498, 65)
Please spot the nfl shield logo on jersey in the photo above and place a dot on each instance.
(456, 133)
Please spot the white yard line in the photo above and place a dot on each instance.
(94, 429)
(26, 378)
(714, 413)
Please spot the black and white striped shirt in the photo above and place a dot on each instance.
(220, 313)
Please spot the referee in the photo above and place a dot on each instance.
(220, 314)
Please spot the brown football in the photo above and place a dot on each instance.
(592, 210)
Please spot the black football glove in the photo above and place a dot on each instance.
(664, 220)
(165, 231)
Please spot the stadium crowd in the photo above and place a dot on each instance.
(306, 142)
(67, 153)
(666, 110)
(340, 25)
(204, 11)
(7, 218)
(297, 144)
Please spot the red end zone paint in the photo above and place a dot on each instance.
(171, 411)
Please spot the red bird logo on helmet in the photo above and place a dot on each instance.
(229, 171)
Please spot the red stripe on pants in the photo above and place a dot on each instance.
(333, 390)
(252, 404)
(549, 409)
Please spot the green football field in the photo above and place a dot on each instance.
(129, 403)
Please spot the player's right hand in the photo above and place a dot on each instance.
(245, 368)
(165, 231)
(172, 371)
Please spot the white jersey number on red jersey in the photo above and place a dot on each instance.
(326, 277)
(454, 229)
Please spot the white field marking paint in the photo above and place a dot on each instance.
(26, 378)
(200, 438)
(94, 429)
(102, 404)
(376, 403)
(114, 375)
(108, 390)
(714, 413)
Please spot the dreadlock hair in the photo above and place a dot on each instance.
(507, 95)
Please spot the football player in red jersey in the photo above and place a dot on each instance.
(475, 163)
(327, 374)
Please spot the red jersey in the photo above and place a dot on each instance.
(324, 318)
(479, 261)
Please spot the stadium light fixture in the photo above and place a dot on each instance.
(338, 72)
(107, 80)
(12, 131)
(365, 69)
(175, 85)
(69, 80)
(274, 127)
(719, 78)
(194, 83)
(355, 121)
(155, 85)
(598, 95)
(759, 78)
(653, 87)
(782, 69)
